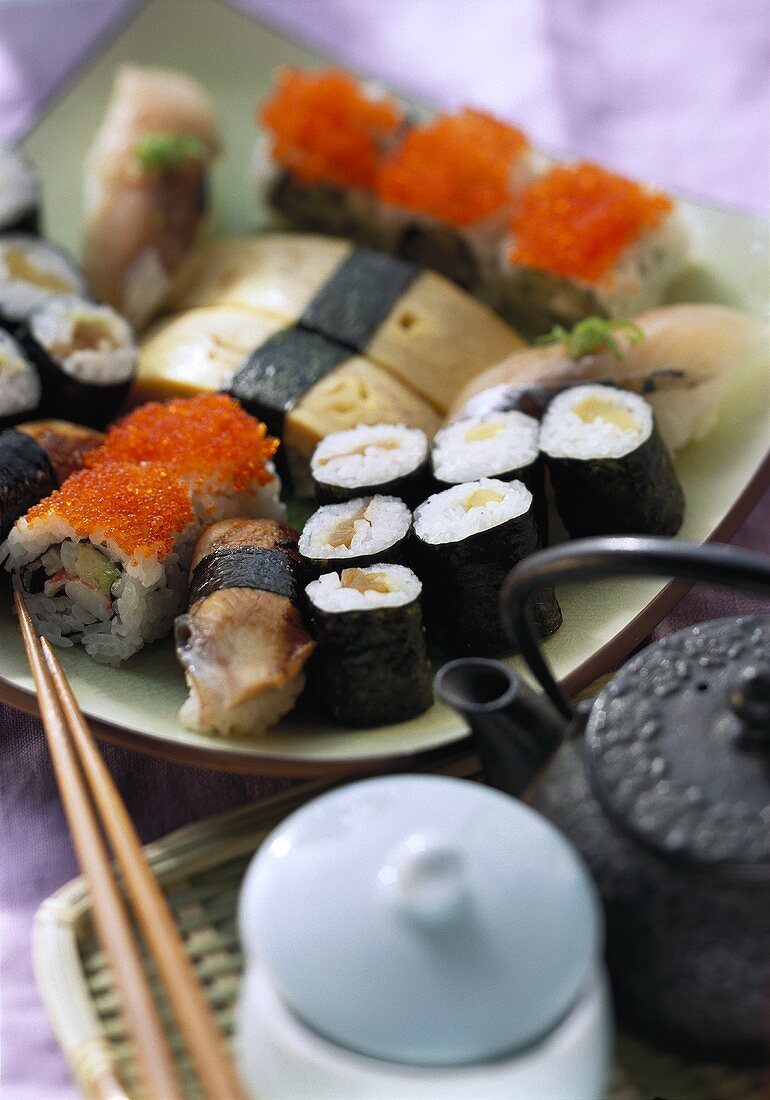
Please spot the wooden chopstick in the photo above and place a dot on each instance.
(202, 1038)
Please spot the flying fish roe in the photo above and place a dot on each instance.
(457, 169)
(141, 508)
(578, 219)
(202, 438)
(325, 128)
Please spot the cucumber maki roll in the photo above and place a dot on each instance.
(384, 459)
(469, 537)
(357, 533)
(19, 193)
(86, 355)
(20, 388)
(371, 643)
(609, 467)
(32, 270)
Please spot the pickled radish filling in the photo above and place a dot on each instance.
(456, 169)
(578, 219)
(326, 129)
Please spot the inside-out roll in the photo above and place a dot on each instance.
(468, 538)
(378, 459)
(357, 532)
(609, 467)
(371, 642)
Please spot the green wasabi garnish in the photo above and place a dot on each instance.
(593, 334)
(168, 152)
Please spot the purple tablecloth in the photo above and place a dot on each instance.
(676, 92)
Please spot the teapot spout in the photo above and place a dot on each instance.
(516, 730)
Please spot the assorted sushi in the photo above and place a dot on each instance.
(242, 642)
(372, 647)
(467, 195)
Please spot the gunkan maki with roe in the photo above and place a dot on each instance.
(609, 467)
(468, 539)
(371, 644)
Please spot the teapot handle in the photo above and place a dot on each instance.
(591, 559)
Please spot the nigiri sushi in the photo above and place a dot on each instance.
(242, 642)
(146, 187)
(679, 357)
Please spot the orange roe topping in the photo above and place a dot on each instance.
(202, 438)
(141, 508)
(325, 128)
(455, 169)
(577, 220)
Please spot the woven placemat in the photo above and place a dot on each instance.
(201, 869)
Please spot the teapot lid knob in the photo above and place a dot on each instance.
(426, 879)
(750, 699)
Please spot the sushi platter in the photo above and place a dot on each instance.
(333, 334)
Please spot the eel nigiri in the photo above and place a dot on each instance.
(243, 643)
(146, 187)
(679, 357)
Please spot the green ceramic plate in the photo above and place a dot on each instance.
(723, 475)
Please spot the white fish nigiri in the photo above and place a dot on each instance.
(146, 187)
(680, 363)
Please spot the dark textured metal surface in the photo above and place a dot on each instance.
(671, 757)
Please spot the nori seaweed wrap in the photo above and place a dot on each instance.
(371, 644)
(86, 355)
(26, 476)
(372, 460)
(609, 467)
(357, 533)
(468, 539)
(19, 193)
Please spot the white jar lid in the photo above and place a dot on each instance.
(422, 919)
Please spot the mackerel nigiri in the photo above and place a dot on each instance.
(146, 187)
(679, 357)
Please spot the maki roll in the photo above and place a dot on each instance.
(102, 560)
(357, 533)
(86, 355)
(371, 645)
(585, 241)
(381, 459)
(469, 537)
(502, 445)
(218, 450)
(609, 467)
(19, 193)
(20, 388)
(242, 642)
(35, 459)
(31, 271)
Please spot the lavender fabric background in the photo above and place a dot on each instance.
(676, 92)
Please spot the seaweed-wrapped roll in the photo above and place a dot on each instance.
(469, 537)
(502, 445)
(371, 644)
(242, 643)
(609, 467)
(384, 459)
(35, 459)
(357, 532)
(19, 193)
(86, 355)
(32, 270)
(20, 388)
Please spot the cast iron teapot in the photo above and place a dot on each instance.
(663, 785)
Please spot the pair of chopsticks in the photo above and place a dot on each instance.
(95, 811)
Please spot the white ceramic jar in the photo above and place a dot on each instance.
(420, 936)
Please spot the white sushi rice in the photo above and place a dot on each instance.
(369, 455)
(484, 446)
(32, 270)
(145, 597)
(216, 499)
(377, 523)
(466, 510)
(19, 381)
(19, 185)
(335, 591)
(565, 433)
(113, 356)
